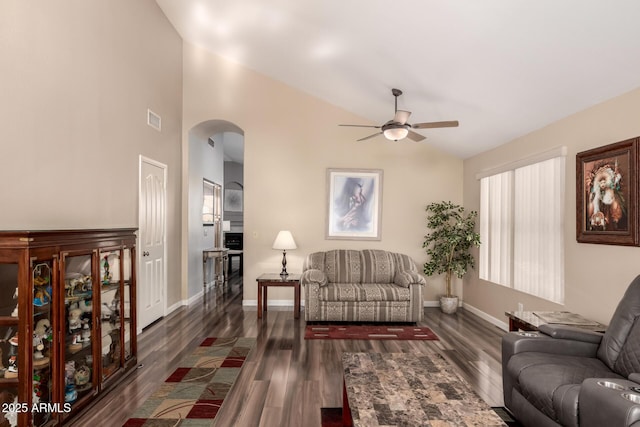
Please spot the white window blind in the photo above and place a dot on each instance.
(496, 231)
(521, 228)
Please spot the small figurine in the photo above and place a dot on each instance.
(76, 344)
(82, 375)
(70, 393)
(87, 284)
(12, 370)
(86, 330)
(85, 306)
(106, 278)
(112, 312)
(41, 334)
(74, 319)
(43, 328)
(14, 313)
(69, 372)
(41, 295)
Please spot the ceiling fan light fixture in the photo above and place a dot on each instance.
(396, 133)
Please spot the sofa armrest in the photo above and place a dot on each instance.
(314, 276)
(570, 333)
(519, 342)
(606, 402)
(406, 278)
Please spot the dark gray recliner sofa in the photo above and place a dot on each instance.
(566, 376)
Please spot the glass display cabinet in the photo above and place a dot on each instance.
(67, 321)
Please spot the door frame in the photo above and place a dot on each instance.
(164, 167)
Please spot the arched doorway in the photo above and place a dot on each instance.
(210, 144)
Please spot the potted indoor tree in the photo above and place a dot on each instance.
(448, 246)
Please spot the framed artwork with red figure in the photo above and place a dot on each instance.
(607, 194)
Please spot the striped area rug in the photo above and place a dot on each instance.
(368, 332)
(193, 394)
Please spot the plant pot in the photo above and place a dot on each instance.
(449, 305)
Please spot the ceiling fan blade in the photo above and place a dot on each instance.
(370, 136)
(363, 126)
(414, 136)
(401, 116)
(431, 125)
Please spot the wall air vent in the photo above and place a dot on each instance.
(154, 120)
(211, 142)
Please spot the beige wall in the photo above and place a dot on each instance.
(596, 276)
(290, 140)
(76, 80)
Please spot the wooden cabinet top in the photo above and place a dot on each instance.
(42, 238)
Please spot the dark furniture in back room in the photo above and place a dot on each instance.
(233, 242)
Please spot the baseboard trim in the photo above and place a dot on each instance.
(431, 303)
(481, 314)
(272, 303)
(174, 307)
(194, 298)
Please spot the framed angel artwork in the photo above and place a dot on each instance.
(607, 194)
(354, 205)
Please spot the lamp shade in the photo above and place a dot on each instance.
(284, 240)
(396, 133)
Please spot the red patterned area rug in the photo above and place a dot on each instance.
(194, 392)
(365, 332)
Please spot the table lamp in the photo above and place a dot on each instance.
(284, 240)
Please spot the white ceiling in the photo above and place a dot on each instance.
(503, 68)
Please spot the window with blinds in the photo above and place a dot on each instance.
(522, 226)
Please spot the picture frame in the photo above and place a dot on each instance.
(208, 191)
(607, 194)
(233, 200)
(354, 204)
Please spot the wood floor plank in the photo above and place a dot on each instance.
(287, 379)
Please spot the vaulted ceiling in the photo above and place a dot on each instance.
(503, 68)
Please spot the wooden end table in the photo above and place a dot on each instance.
(274, 279)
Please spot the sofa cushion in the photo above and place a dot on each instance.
(628, 360)
(620, 327)
(351, 292)
(403, 262)
(343, 266)
(377, 266)
(546, 381)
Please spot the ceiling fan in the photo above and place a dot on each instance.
(398, 128)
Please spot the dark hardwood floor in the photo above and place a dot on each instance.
(287, 379)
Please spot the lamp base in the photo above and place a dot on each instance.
(284, 273)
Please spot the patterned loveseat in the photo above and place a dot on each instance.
(366, 286)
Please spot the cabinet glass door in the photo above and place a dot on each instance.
(9, 375)
(78, 328)
(43, 351)
(127, 311)
(111, 272)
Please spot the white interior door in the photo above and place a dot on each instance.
(152, 274)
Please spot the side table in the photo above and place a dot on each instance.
(274, 279)
(531, 320)
(219, 255)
